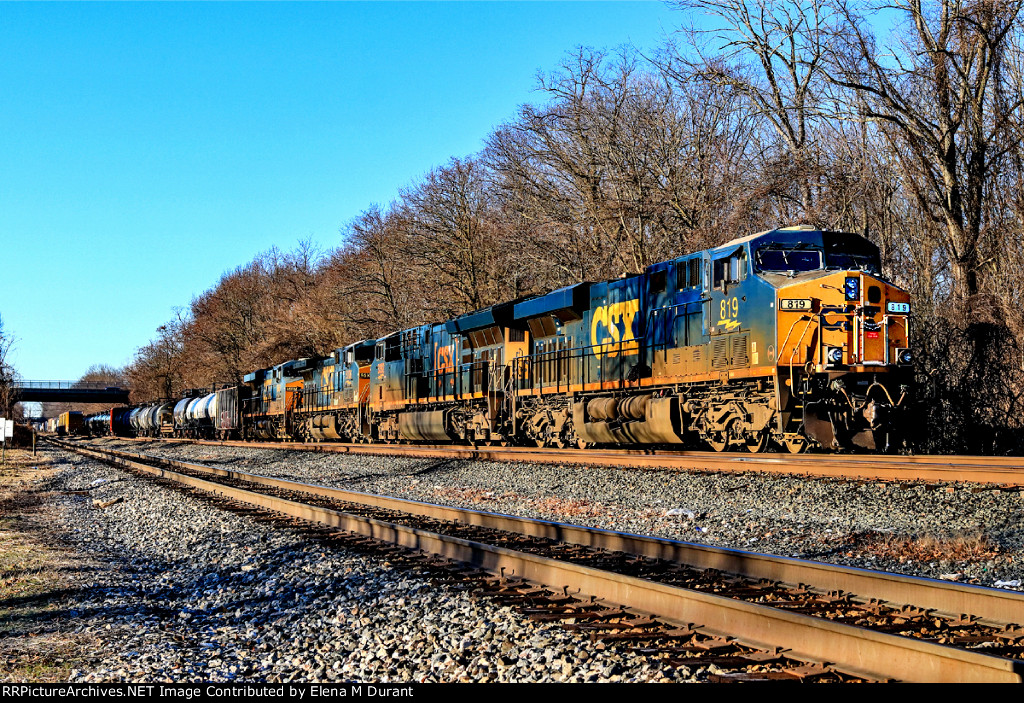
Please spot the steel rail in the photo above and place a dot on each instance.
(1002, 471)
(945, 597)
(853, 650)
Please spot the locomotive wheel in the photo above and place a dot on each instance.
(756, 443)
(795, 447)
(718, 442)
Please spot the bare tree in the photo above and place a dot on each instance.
(451, 236)
(944, 107)
(771, 51)
(156, 371)
(374, 257)
(620, 168)
(8, 376)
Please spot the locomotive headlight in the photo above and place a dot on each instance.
(851, 288)
(903, 356)
(834, 355)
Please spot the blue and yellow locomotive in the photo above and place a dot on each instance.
(788, 338)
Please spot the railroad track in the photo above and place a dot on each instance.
(757, 616)
(1004, 472)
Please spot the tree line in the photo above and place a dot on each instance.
(8, 377)
(765, 114)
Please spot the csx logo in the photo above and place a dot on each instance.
(444, 361)
(611, 329)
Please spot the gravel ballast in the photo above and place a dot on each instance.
(954, 532)
(192, 592)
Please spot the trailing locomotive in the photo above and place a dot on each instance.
(788, 338)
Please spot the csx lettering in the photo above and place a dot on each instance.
(605, 333)
(444, 361)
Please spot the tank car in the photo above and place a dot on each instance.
(162, 420)
(98, 424)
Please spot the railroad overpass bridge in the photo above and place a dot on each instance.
(69, 392)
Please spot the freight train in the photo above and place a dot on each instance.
(788, 339)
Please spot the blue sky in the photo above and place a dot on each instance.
(148, 148)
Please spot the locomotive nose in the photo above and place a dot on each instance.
(847, 336)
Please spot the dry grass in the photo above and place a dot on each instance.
(572, 508)
(17, 459)
(973, 547)
(35, 575)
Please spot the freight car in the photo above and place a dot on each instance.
(196, 416)
(69, 423)
(115, 421)
(789, 339)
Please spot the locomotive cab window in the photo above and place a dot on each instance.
(850, 252)
(730, 269)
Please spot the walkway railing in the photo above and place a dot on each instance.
(66, 385)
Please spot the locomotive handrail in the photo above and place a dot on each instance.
(577, 353)
(792, 353)
(362, 403)
(673, 306)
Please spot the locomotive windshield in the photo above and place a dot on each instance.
(837, 251)
(850, 252)
(786, 259)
